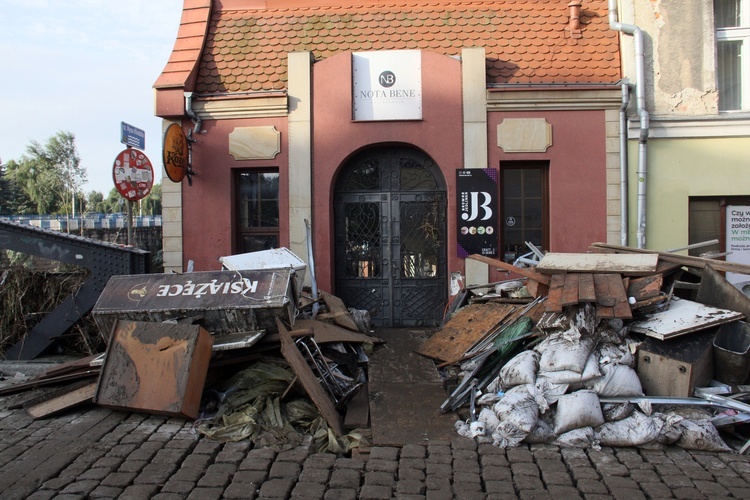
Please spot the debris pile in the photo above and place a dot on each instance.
(605, 350)
(238, 351)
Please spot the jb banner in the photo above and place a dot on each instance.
(477, 211)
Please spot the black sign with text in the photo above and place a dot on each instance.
(477, 211)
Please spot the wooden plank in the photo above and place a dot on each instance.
(358, 410)
(570, 289)
(597, 263)
(554, 298)
(604, 300)
(325, 332)
(586, 291)
(647, 287)
(319, 397)
(685, 260)
(523, 271)
(683, 316)
(339, 311)
(62, 400)
(621, 309)
(468, 326)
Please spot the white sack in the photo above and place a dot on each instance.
(543, 433)
(670, 430)
(550, 390)
(616, 354)
(577, 438)
(577, 410)
(617, 411)
(634, 430)
(520, 370)
(490, 420)
(616, 380)
(519, 407)
(559, 353)
(508, 435)
(701, 435)
(590, 371)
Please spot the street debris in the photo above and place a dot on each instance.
(238, 351)
(606, 349)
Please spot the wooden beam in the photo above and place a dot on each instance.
(523, 271)
(685, 260)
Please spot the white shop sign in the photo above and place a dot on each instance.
(387, 85)
(738, 239)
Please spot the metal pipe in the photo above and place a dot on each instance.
(643, 116)
(192, 114)
(624, 207)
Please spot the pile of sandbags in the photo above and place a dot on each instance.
(550, 393)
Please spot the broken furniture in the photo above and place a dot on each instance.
(155, 367)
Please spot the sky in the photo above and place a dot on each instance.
(83, 66)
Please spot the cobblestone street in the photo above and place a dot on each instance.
(99, 453)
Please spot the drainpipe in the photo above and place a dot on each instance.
(640, 101)
(624, 162)
(192, 114)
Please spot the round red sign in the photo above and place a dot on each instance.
(133, 174)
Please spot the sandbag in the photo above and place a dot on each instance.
(559, 353)
(701, 435)
(617, 411)
(520, 370)
(577, 381)
(550, 390)
(618, 354)
(542, 433)
(670, 429)
(634, 430)
(507, 435)
(577, 410)
(577, 438)
(616, 380)
(519, 407)
(490, 420)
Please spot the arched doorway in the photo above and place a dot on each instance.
(390, 236)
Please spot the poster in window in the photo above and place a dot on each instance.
(477, 211)
(738, 241)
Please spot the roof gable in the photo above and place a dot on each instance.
(525, 41)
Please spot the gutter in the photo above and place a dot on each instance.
(624, 163)
(643, 116)
(192, 114)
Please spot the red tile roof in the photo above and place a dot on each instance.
(525, 41)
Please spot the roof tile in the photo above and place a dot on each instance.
(525, 41)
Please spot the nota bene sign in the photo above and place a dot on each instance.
(387, 85)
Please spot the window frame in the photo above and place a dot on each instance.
(737, 34)
(243, 231)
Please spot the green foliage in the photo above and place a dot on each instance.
(50, 175)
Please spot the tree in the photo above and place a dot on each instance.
(50, 175)
(13, 200)
(151, 204)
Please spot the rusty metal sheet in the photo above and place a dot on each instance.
(155, 367)
(225, 301)
(467, 327)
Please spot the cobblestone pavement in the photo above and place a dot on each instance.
(95, 452)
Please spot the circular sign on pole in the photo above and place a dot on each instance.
(175, 153)
(133, 174)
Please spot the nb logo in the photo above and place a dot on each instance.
(387, 79)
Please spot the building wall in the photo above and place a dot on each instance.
(692, 149)
(691, 167)
(337, 137)
(208, 206)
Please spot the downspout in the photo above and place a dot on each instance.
(192, 114)
(624, 162)
(640, 101)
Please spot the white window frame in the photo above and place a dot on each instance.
(741, 34)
